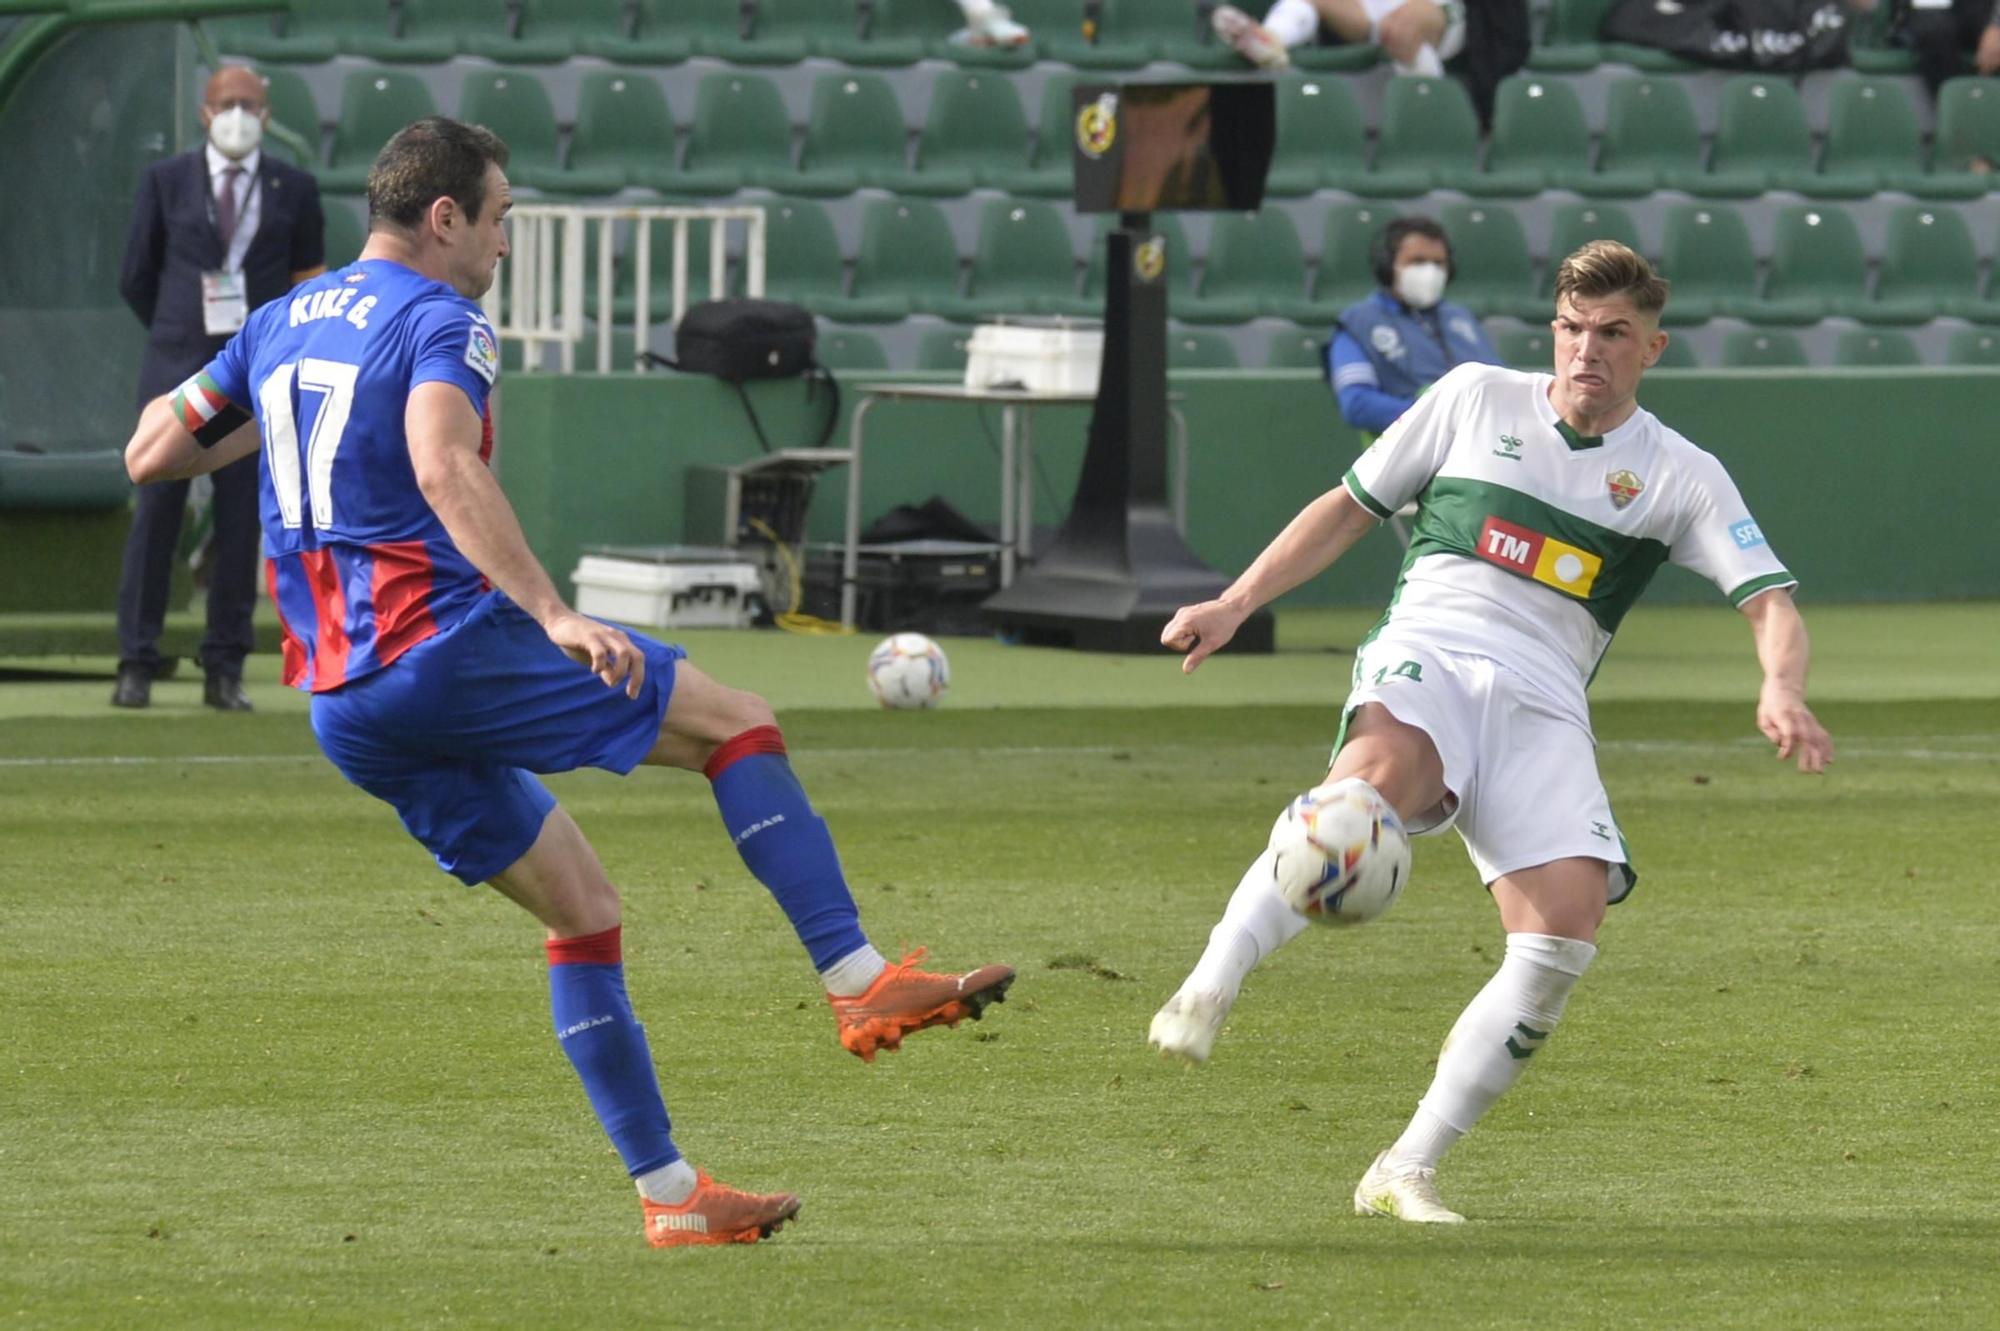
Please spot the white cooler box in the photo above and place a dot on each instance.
(1035, 356)
(666, 594)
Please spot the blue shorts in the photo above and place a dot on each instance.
(450, 732)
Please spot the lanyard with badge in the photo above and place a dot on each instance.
(225, 302)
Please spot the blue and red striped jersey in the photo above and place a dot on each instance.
(358, 563)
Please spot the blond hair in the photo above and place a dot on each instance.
(1606, 268)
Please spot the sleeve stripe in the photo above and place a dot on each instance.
(1349, 375)
(1363, 498)
(1767, 582)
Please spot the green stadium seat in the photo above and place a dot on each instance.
(818, 27)
(1180, 261)
(514, 105)
(630, 32)
(741, 136)
(1495, 272)
(346, 232)
(1761, 138)
(1255, 266)
(1967, 141)
(624, 134)
(313, 31)
(854, 135)
(906, 254)
(849, 349)
(1678, 355)
(1873, 143)
(1201, 349)
(431, 31)
(975, 133)
(1928, 268)
(1049, 173)
(1705, 254)
(1569, 42)
(1875, 346)
(718, 28)
(1123, 39)
(1539, 140)
(1871, 45)
(1973, 346)
(660, 269)
(1429, 140)
(1296, 349)
(802, 264)
(542, 32)
(1344, 273)
(1321, 140)
(1650, 136)
(901, 32)
(943, 349)
(1337, 58)
(292, 107)
(1574, 225)
(374, 104)
(1762, 349)
(1023, 264)
(1817, 268)
(1526, 348)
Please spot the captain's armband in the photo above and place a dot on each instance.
(204, 411)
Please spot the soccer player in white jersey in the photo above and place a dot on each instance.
(1544, 506)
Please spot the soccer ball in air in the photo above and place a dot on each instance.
(908, 670)
(1341, 854)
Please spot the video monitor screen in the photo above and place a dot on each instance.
(1173, 147)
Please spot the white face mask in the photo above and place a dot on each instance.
(1421, 285)
(236, 132)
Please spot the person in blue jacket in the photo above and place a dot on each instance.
(1392, 346)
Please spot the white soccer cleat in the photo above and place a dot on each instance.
(1187, 1025)
(994, 27)
(1249, 38)
(1402, 1194)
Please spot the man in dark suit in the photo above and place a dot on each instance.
(216, 232)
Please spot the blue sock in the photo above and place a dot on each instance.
(607, 1047)
(784, 843)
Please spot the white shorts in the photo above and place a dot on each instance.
(1522, 777)
(1449, 43)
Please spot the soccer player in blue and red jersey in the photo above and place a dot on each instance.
(445, 669)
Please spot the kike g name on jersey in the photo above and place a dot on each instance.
(1567, 568)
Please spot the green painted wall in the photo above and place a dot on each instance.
(1873, 485)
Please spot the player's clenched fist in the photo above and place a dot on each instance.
(1200, 631)
(606, 650)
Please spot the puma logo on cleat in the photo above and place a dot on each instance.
(693, 1222)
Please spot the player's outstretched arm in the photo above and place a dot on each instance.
(1784, 651)
(444, 433)
(162, 448)
(1323, 531)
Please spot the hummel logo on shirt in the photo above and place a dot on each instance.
(1510, 448)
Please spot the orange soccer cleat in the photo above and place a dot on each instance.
(904, 999)
(716, 1213)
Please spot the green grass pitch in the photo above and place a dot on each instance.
(264, 1066)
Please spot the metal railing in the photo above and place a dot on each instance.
(538, 297)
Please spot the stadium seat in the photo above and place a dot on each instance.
(975, 133)
(624, 134)
(1705, 253)
(431, 31)
(1023, 264)
(1873, 143)
(1526, 348)
(1678, 355)
(1337, 58)
(1973, 346)
(1539, 140)
(1180, 260)
(1967, 141)
(1255, 264)
(854, 135)
(1761, 138)
(1650, 134)
(1201, 349)
(1495, 273)
(906, 254)
(1570, 41)
(1321, 139)
(1048, 173)
(849, 349)
(630, 32)
(346, 232)
(1763, 348)
(542, 32)
(1928, 267)
(374, 104)
(1875, 346)
(943, 349)
(660, 270)
(1296, 349)
(729, 31)
(1429, 139)
(1577, 224)
(1344, 273)
(1817, 268)
(819, 27)
(902, 32)
(1872, 46)
(293, 107)
(741, 136)
(802, 264)
(1132, 32)
(313, 31)
(514, 105)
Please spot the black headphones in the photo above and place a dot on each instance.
(1382, 255)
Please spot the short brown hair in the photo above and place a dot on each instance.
(1607, 268)
(428, 160)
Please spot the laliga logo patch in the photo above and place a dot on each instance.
(1149, 260)
(482, 353)
(1624, 487)
(1097, 126)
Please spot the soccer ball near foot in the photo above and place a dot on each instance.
(908, 670)
(1342, 855)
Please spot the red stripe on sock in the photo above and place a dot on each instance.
(757, 739)
(600, 949)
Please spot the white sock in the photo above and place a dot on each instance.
(1292, 22)
(669, 1185)
(1426, 63)
(1256, 923)
(977, 11)
(853, 973)
(1489, 1047)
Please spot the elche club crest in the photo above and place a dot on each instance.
(1149, 258)
(1097, 126)
(1624, 487)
